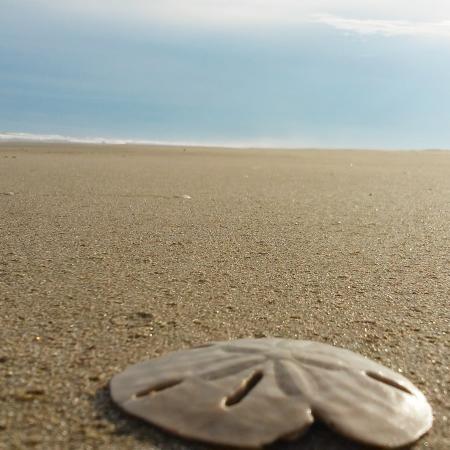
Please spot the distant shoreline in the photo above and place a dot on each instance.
(49, 139)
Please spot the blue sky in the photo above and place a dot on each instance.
(262, 72)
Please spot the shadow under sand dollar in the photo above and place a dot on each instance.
(319, 437)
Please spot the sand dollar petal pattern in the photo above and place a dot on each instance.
(359, 398)
(251, 392)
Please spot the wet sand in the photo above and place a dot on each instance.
(112, 255)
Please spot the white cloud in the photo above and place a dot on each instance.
(386, 27)
(248, 11)
(387, 17)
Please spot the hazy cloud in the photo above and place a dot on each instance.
(371, 16)
(386, 27)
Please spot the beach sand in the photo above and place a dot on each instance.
(113, 255)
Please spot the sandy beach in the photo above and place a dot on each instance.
(110, 255)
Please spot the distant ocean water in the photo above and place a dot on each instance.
(7, 136)
(57, 138)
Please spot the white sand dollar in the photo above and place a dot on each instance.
(251, 392)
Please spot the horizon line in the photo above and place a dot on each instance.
(24, 137)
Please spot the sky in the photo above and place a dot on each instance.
(315, 73)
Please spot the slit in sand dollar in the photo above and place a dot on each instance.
(252, 392)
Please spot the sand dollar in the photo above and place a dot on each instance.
(251, 392)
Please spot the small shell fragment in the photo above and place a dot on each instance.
(252, 392)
